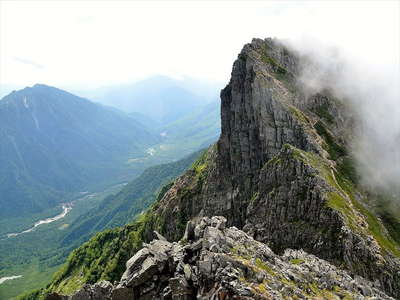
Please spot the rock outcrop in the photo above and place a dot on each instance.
(281, 172)
(215, 262)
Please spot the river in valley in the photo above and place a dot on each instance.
(66, 208)
(3, 279)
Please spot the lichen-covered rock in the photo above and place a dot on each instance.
(226, 263)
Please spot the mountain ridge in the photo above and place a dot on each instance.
(281, 171)
(54, 142)
(159, 98)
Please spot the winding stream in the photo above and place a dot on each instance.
(3, 279)
(66, 208)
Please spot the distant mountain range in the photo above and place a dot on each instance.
(53, 142)
(56, 147)
(160, 98)
(203, 124)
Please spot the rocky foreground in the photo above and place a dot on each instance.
(215, 262)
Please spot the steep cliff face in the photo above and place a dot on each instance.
(258, 117)
(282, 172)
(297, 196)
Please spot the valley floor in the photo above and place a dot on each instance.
(35, 255)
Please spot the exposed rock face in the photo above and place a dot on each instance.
(296, 205)
(259, 115)
(283, 199)
(280, 172)
(226, 263)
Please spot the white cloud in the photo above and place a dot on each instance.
(92, 43)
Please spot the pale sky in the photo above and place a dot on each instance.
(87, 44)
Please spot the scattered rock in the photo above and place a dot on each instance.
(242, 268)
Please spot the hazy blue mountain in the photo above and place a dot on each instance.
(151, 124)
(201, 125)
(53, 142)
(194, 131)
(6, 89)
(161, 98)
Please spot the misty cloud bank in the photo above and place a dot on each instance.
(373, 92)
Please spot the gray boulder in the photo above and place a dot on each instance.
(242, 268)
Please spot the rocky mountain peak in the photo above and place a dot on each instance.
(281, 172)
(260, 114)
(282, 169)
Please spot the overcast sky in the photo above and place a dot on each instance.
(95, 43)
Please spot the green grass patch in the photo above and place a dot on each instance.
(297, 261)
(389, 212)
(334, 149)
(336, 293)
(344, 201)
(200, 165)
(299, 115)
(279, 70)
(263, 266)
(375, 228)
(323, 112)
(317, 162)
